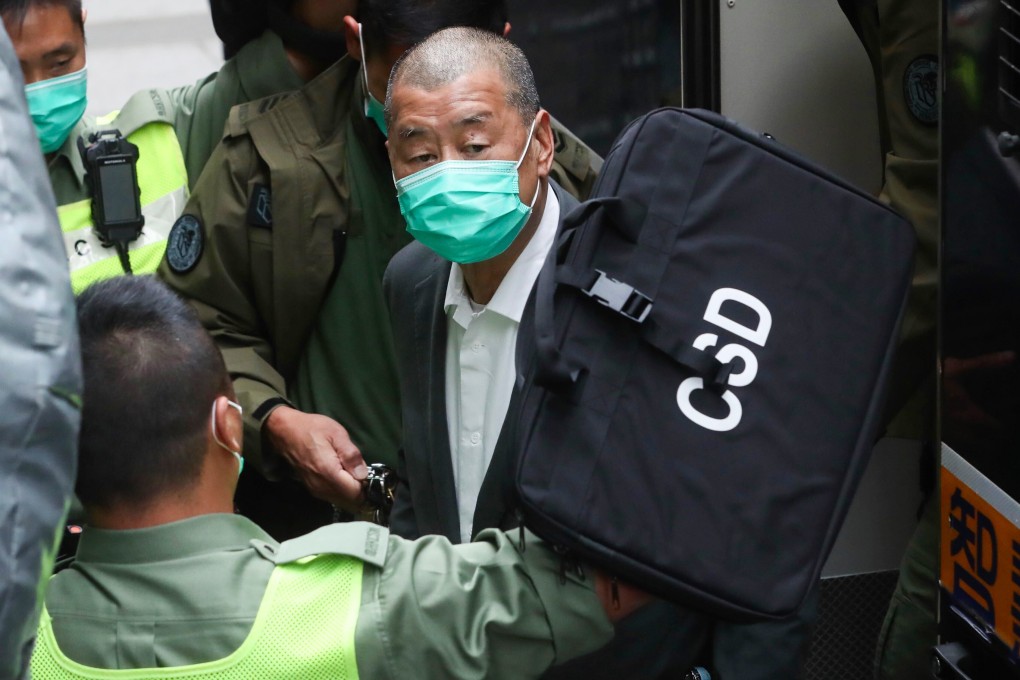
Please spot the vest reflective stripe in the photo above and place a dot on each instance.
(163, 181)
(304, 629)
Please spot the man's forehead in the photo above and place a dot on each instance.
(475, 97)
(44, 27)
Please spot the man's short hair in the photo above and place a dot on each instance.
(151, 374)
(403, 23)
(452, 53)
(14, 11)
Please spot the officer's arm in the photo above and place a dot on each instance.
(209, 261)
(479, 610)
(199, 113)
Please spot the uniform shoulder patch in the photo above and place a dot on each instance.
(185, 244)
(260, 207)
(920, 89)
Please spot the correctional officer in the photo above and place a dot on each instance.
(274, 46)
(282, 250)
(166, 577)
(49, 39)
(175, 130)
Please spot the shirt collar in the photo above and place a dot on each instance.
(186, 538)
(513, 292)
(69, 156)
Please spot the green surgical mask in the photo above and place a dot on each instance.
(374, 110)
(465, 211)
(56, 105)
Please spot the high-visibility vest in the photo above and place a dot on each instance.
(304, 629)
(163, 181)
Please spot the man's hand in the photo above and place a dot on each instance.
(619, 599)
(321, 453)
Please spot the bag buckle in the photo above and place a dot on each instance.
(619, 297)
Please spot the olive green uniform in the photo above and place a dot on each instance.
(259, 69)
(188, 592)
(262, 276)
(298, 219)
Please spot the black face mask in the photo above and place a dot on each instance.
(324, 46)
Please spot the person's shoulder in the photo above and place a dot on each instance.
(364, 541)
(576, 165)
(152, 105)
(329, 91)
(412, 264)
(244, 116)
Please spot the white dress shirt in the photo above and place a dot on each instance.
(480, 362)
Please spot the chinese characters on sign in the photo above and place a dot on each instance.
(980, 566)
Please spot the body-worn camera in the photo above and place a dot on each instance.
(111, 172)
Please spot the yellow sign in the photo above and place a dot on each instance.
(980, 553)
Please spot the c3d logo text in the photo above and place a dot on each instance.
(758, 335)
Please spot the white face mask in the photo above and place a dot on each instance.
(216, 437)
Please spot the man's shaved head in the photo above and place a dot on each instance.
(449, 54)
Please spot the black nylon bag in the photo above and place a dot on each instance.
(713, 335)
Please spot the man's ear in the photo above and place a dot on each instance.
(506, 30)
(85, 15)
(352, 29)
(229, 424)
(544, 143)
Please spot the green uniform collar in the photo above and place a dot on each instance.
(67, 155)
(368, 132)
(189, 537)
(269, 71)
(309, 117)
(329, 96)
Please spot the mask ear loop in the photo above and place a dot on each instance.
(527, 146)
(364, 68)
(538, 185)
(216, 436)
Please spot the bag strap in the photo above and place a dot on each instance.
(627, 216)
(559, 373)
(638, 307)
(552, 370)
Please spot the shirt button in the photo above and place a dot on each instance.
(476, 348)
(475, 438)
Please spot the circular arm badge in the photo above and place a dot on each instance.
(921, 89)
(185, 244)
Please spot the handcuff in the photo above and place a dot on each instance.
(377, 488)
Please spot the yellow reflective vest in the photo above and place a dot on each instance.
(304, 629)
(163, 181)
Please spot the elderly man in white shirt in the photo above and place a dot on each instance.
(481, 364)
(471, 150)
